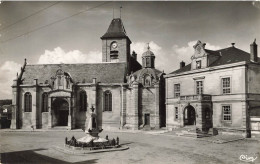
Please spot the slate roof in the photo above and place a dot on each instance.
(226, 56)
(135, 65)
(148, 53)
(103, 72)
(115, 30)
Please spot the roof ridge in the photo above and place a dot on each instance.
(77, 63)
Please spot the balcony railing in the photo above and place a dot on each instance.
(202, 97)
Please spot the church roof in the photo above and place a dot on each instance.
(116, 29)
(103, 72)
(226, 56)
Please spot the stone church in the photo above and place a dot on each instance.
(124, 93)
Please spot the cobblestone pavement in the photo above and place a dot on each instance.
(37, 147)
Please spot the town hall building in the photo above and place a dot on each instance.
(219, 90)
(123, 93)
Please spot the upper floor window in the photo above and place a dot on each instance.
(107, 101)
(176, 113)
(226, 87)
(199, 87)
(177, 90)
(198, 64)
(44, 102)
(27, 102)
(226, 110)
(83, 101)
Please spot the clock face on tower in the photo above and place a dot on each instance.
(114, 45)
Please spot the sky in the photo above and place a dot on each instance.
(69, 32)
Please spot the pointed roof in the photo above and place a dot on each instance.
(115, 30)
(148, 52)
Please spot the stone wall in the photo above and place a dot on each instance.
(132, 104)
(27, 120)
(253, 79)
(109, 119)
(236, 111)
(211, 85)
(123, 49)
(147, 105)
(45, 120)
(211, 81)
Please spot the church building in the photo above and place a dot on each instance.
(124, 93)
(218, 91)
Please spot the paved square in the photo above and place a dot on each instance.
(37, 147)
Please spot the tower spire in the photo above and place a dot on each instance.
(120, 11)
(148, 46)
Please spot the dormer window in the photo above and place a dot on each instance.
(198, 64)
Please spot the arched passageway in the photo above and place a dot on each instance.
(189, 115)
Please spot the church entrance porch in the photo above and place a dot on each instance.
(60, 109)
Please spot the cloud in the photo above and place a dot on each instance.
(168, 60)
(58, 55)
(7, 74)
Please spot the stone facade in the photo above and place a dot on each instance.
(228, 97)
(61, 95)
(146, 95)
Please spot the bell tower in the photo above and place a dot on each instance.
(115, 43)
(148, 58)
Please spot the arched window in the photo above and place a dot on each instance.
(147, 62)
(108, 101)
(44, 102)
(83, 101)
(147, 80)
(27, 102)
(67, 83)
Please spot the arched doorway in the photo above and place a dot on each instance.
(189, 115)
(61, 112)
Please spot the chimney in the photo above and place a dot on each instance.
(182, 64)
(134, 55)
(233, 44)
(253, 52)
(94, 80)
(36, 82)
